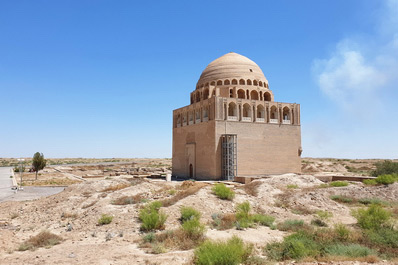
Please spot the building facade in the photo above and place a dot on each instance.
(233, 127)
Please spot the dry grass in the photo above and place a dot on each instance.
(116, 187)
(252, 188)
(89, 204)
(224, 221)
(125, 200)
(367, 259)
(51, 182)
(186, 189)
(43, 239)
(69, 215)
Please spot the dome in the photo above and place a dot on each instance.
(231, 66)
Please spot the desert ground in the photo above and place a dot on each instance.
(93, 186)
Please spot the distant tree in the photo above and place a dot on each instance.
(38, 162)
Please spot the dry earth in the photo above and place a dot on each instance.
(82, 203)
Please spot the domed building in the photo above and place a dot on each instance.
(233, 127)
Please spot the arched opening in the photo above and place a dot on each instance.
(241, 93)
(260, 112)
(255, 82)
(234, 81)
(249, 82)
(178, 120)
(190, 117)
(206, 94)
(213, 83)
(274, 113)
(190, 171)
(198, 97)
(232, 109)
(197, 115)
(226, 82)
(241, 82)
(192, 99)
(219, 83)
(184, 118)
(247, 113)
(254, 95)
(286, 114)
(267, 96)
(260, 83)
(205, 113)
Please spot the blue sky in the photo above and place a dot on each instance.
(101, 78)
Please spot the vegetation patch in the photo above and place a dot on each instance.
(231, 252)
(189, 213)
(125, 200)
(151, 217)
(105, 219)
(338, 184)
(385, 168)
(252, 188)
(186, 189)
(342, 199)
(223, 192)
(43, 239)
(116, 187)
(291, 225)
(292, 186)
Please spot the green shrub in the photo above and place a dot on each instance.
(149, 238)
(105, 219)
(370, 182)
(151, 217)
(367, 201)
(231, 252)
(385, 167)
(385, 236)
(324, 215)
(263, 219)
(340, 198)
(318, 222)
(193, 228)
(188, 213)
(243, 219)
(342, 232)
(387, 179)
(292, 186)
(291, 225)
(295, 246)
(338, 183)
(374, 217)
(352, 250)
(223, 192)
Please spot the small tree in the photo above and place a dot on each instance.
(38, 162)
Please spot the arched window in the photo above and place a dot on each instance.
(184, 118)
(241, 93)
(267, 96)
(226, 82)
(198, 97)
(274, 113)
(234, 81)
(286, 114)
(213, 83)
(178, 120)
(249, 82)
(197, 114)
(190, 116)
(241, 82)
(255, 83)
(219, 83)
(247, 113)
(205, 113)
(254, 95)
(206, 94)
(260, 112)
(232, 109)
(260, 83)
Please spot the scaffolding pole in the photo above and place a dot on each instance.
(229, 156)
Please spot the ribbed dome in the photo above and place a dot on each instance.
(231, 66)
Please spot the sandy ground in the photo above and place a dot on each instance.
(81, 204)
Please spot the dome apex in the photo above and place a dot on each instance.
(231, 66)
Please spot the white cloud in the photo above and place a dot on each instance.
(358, 71)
